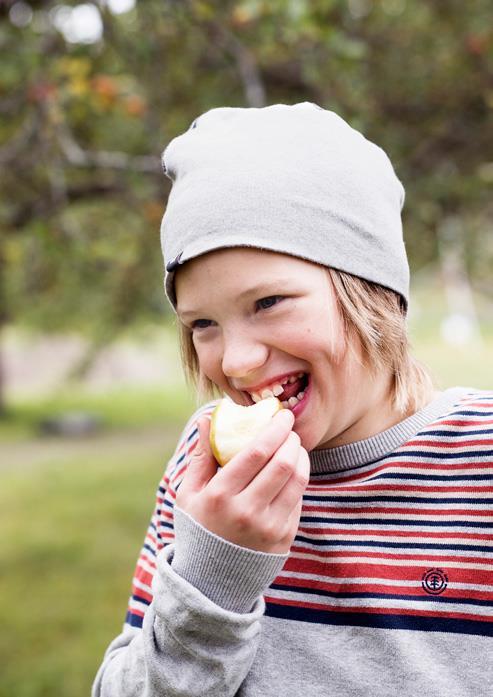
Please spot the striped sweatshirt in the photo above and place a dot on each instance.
(387, 589)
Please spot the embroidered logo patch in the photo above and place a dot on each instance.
(434, 581)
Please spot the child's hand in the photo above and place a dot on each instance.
(255, 500)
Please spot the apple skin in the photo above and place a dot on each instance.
(234, 426)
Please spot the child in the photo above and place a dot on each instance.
(348, 550)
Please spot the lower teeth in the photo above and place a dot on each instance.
(293, 401)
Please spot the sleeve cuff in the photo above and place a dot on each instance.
(231, 576)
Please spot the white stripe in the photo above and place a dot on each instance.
(433, 469)
(429, 562)
(142, 586)
(428, 484)
(145, 562)
(363, 493)
(137, 605)
(355, 523)
(346, 508)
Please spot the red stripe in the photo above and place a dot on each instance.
(487, 404)
(141, 594)
(469, 422)
(411, 572)
(166, 514)
(143, 576)
(144, 556)
(447, 444)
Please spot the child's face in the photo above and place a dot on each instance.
(260, 319)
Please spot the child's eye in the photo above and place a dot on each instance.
(270, 301)
(201, 323)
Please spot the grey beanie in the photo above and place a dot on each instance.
(292, 179)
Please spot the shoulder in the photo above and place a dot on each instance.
(475, 403)
(471, 413)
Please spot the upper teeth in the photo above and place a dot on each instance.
(276, 389)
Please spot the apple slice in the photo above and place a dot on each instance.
(233, 426)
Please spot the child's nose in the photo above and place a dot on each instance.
(242, 354)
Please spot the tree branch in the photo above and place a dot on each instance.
(253, 86)
(75, 155)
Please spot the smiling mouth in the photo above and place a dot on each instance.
(289, 391)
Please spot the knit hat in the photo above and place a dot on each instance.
(291, 179)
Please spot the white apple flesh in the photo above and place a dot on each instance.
(233, 427)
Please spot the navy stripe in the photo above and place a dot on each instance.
(380, 621)
(192, 435)
(456, 433)
(469, 454)
(165, 524)
(383, 596)
(317, 542)
(392, 521)
(399, 499)
(139, 599)
(467, 413)
(434, 477)
(149, 549)
(134, 620)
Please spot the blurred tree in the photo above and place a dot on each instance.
(85, 116)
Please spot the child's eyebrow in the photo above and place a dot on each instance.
(183, 314)
(262, 289)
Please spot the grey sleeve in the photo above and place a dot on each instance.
(194, 640)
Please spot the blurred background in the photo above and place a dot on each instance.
(91, 391)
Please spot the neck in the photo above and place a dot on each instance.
(377, 412)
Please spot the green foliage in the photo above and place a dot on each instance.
(83, 126)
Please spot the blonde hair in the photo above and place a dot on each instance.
(376, 316)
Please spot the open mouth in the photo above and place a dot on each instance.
(290, 391)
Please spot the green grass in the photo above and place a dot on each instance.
(73, 513)
(71, 530)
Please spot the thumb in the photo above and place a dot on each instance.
(202, 466)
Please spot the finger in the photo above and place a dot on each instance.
(290, 496)
(202, 466)
(273, 477)
(245, 466)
